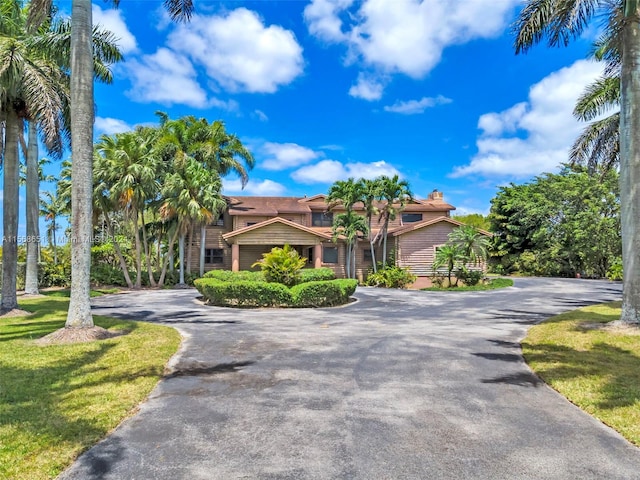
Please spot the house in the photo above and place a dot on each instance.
(251, 226)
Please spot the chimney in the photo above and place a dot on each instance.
(436, 196)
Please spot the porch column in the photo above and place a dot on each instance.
(317, 256)
(235, 257)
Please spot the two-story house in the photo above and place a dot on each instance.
(251, 226)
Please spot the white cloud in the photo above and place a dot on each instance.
(167, 78)
(260, 115)
(113, 21)
(109, 126)
(367, 87)
(239, 52)
(405, 36)
(328, 171)
(412, 107)
(258, 187)
(281, 156)
(534, 136)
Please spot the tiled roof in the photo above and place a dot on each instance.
(266, 206)
(418, 225)
(257, 226)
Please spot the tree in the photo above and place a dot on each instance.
(558, 224)
(370, 192)
(395, 194)
(448, 256)
(477, 220)
(472, 243)
(349, 225)
(51, 208)
(562, 20)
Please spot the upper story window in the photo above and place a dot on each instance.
(321, 219)
(219, 222)
(213, 255)
(411, 217)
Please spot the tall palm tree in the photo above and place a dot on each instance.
(560, 21)
(395, 194)
(349, 225)
(33, 212)
(370, 191)
(32, 87)
(51, 208)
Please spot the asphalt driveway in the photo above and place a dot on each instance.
(398, 385)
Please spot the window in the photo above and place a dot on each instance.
(321, 219)
(213, 255)
(329, 254)
(220, 221)
(367, 255)
(250, 223)
(411, 217)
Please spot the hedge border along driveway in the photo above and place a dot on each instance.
(400, 384)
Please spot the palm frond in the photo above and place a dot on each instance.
(179, 10)
(598, 146)
(598, 98)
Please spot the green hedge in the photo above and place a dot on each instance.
(244, 293)
(229, 276)
(316, 274)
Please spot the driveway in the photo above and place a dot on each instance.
(398, 385)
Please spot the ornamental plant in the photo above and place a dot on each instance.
(281, 265)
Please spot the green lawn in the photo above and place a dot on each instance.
(598, 370)
(57, 401)
(491, 285)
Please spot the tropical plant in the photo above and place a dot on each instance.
(449, 256)
(349, 226)
(562, 20)
(395, 194)
(370, 192)
(473, 244)
(51, 208)
(281, 265)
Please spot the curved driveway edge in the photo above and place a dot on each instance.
(399, 385)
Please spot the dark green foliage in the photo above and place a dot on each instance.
(281, 265)
(557, 225)
(229, 276)
(469, 277)
(615, 270)
(51, 275)
(474, 220)
(391, 276)
(316, 274)
(323, 293)
(247, 293)
(105, 274)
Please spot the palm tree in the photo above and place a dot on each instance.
(370, 192)
(32, 87)
(349, 225)
(395, 194)
(448, 256)
(472, 243)
(345, 193)
(560, 21)
(51, 208)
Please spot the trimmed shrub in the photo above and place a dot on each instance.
(317, 274)
(281, 265)
(243, 293)
(391, 277)
(229, 276)
(469, 277)
(323, 293)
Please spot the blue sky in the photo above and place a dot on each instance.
(323, 90)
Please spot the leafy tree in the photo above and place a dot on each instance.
(558, 224)
(476, 220)
(562, 20)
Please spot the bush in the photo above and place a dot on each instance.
(469, 277)
(281, 265)
(323, 293)
(51, 275)
(615, 270)
(317, 274)
(243, 293)
(229, 276)
(391, 277)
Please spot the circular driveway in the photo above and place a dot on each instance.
(398, 385)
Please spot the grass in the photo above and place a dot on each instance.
(65, 292)
(57, 401)
(596, 369)
(491, 285)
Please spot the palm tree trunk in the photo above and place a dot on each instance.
(10, 214)
(384, 244)
(181, 257)
(203, 236)
(79, 314)
(168, 259)
(145, 243)
(138, 246)
(630, 164)
(55, 245)
(32, 212)
(116, 246)
(190, 248)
